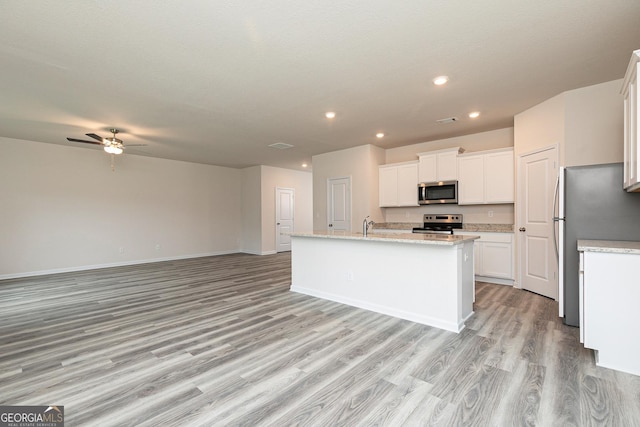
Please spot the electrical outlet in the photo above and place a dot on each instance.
(407, 214)
(350, 276)
(490, 214)
(158, 247)
(121, 250)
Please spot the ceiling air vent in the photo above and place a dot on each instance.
(280, 145)
(447, 120)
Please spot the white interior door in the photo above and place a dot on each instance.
(339, 204)
(538, 266)
(284, 218)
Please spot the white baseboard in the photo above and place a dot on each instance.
(495, 280)
(390, 311)
(258, 252)
(108, 265)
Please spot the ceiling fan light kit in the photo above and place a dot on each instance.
(113, 149)
(113, 145)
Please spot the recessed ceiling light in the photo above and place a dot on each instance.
(329, 114)
(440, 80)
(474, 114)
(379, 135)
(304, 165)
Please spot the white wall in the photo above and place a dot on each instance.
(252, 210)
(483, 141)
(594, 120)
(585, 123)
(361, 164)
(63, 209)
(539, 127)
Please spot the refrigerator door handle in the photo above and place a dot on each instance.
(556, 218)
(555, 198)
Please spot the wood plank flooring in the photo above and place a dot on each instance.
(221, 341)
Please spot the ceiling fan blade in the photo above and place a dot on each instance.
(94, 136)
(82, 140)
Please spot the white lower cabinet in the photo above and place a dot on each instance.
(609, 295)
(493, 256)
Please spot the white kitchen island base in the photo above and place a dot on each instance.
(427, 279)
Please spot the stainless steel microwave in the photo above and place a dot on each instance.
(437, 192)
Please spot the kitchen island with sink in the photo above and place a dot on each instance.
(425, 278)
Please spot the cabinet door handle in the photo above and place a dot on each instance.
(522, 229)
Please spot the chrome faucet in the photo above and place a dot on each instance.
(366, 225)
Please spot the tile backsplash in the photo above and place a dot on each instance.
(480, 214)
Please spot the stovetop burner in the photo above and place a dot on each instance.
(440, 223)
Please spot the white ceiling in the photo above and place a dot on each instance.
(217, 82)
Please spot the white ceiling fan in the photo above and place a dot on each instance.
(111, 145)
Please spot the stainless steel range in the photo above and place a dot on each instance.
(440, 223)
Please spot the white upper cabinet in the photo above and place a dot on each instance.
(486, 178)
(441, 165)
(398, 184)
(499, 177)
(471, 179)
(631, 94)
(427, 171)
(408, 185)
(388, 186)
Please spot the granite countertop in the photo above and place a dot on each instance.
(494, 228)
(421, 239)
(610, 246)
(480, 228)
(397, 225)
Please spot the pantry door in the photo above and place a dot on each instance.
(284, 218)
(538, 265)
(339, 204)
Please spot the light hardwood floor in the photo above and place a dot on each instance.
(222, 341)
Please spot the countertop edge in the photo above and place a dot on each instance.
(470, 227)
(609, 246)
(419, 239)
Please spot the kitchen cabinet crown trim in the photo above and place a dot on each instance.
(482, 153)
(630, 74)
(391, 165)
(460, 150)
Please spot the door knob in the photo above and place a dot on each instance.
(330, 225)
(522, 229)
(277, 223)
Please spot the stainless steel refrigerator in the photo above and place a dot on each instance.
(591, 205)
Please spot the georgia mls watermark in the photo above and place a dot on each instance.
(32, 416)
